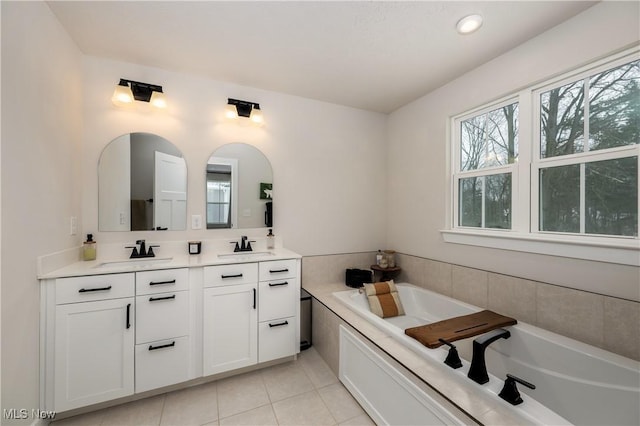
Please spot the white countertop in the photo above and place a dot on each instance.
(119, 265)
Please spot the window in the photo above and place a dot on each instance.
(218, 196)
(570, 180)
(487, 152)
(587, 167)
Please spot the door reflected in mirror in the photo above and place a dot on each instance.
(239, 184)
(142, 185)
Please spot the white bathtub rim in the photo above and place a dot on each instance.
(494, 386)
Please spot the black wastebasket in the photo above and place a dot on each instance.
(305, 320)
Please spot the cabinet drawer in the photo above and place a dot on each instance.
(277, 269)
(149, 282)
(162, 363)
(162, 316)
(276, 339)
(277, 298)
(241, 273)
(95, 287)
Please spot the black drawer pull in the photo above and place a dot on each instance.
(162, 282)
(279, 324)
(254, 298)
(278, 284)
(168, 345)
(129, 316)
(155, 299)
(275, 271)
(231, 276)
(86, 290)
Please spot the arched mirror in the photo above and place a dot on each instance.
(239, 184)
(142, 185)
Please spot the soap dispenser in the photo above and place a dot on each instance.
(89, 248)
(271, 240)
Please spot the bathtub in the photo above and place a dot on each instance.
(575, 382)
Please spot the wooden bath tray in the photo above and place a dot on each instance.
(458, 328)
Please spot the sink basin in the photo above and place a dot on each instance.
(134, 262)
(246, 254)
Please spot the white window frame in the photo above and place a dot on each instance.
(484, 171)
(524, 235)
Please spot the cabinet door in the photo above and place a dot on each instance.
(230, 329)
(162, 316)
(94, 345)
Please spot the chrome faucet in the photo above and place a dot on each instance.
(136, 254)
(478, 369)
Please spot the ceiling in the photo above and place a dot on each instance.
(373, 55)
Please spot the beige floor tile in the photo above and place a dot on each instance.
(261, 416)
(138, 413)
(192, 406)
(90, 419)
(361, 420)
(241, 393)
(286, 380)
(305, 409)
(340, 403)
(316, 369)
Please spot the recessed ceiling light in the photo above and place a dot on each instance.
(469, 24)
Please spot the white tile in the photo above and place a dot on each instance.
(361, 420)
(286, 380)
(192, 406)
(341, 404)
(140, 413)
(261, 416)
(90, 419)
(241, 393)
(305, 409)
(316, 368)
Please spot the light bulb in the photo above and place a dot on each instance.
(122, 95)
(256, 116)
(158, 100)
(230, 111)
(469, 24)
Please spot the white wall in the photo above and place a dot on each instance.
(417, 167)
(328, 160)
(41, 157)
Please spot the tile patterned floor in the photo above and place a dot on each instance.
(301, 392)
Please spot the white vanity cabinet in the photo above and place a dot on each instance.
(110, 335)
(230, 314)
(162, 351)
(279, 294)
(93, 347)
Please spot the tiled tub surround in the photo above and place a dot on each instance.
(606, 322)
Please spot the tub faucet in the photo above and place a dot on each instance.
(478, 369)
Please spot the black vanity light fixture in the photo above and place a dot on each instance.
(237, 108)
(128, 90)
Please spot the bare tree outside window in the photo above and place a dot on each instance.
(488, 140)
(606, 107)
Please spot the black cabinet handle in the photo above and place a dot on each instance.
(168, 345)
(155, 299)
(279, 324)
(162, 282)
(254, 298)
(231, 276)
(129, 316)
(275, 271)
(86, 290)
(278, 284)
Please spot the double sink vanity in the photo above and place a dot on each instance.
(112, 329)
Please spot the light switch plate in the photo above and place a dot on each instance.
(196, 221)
(73, 225)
